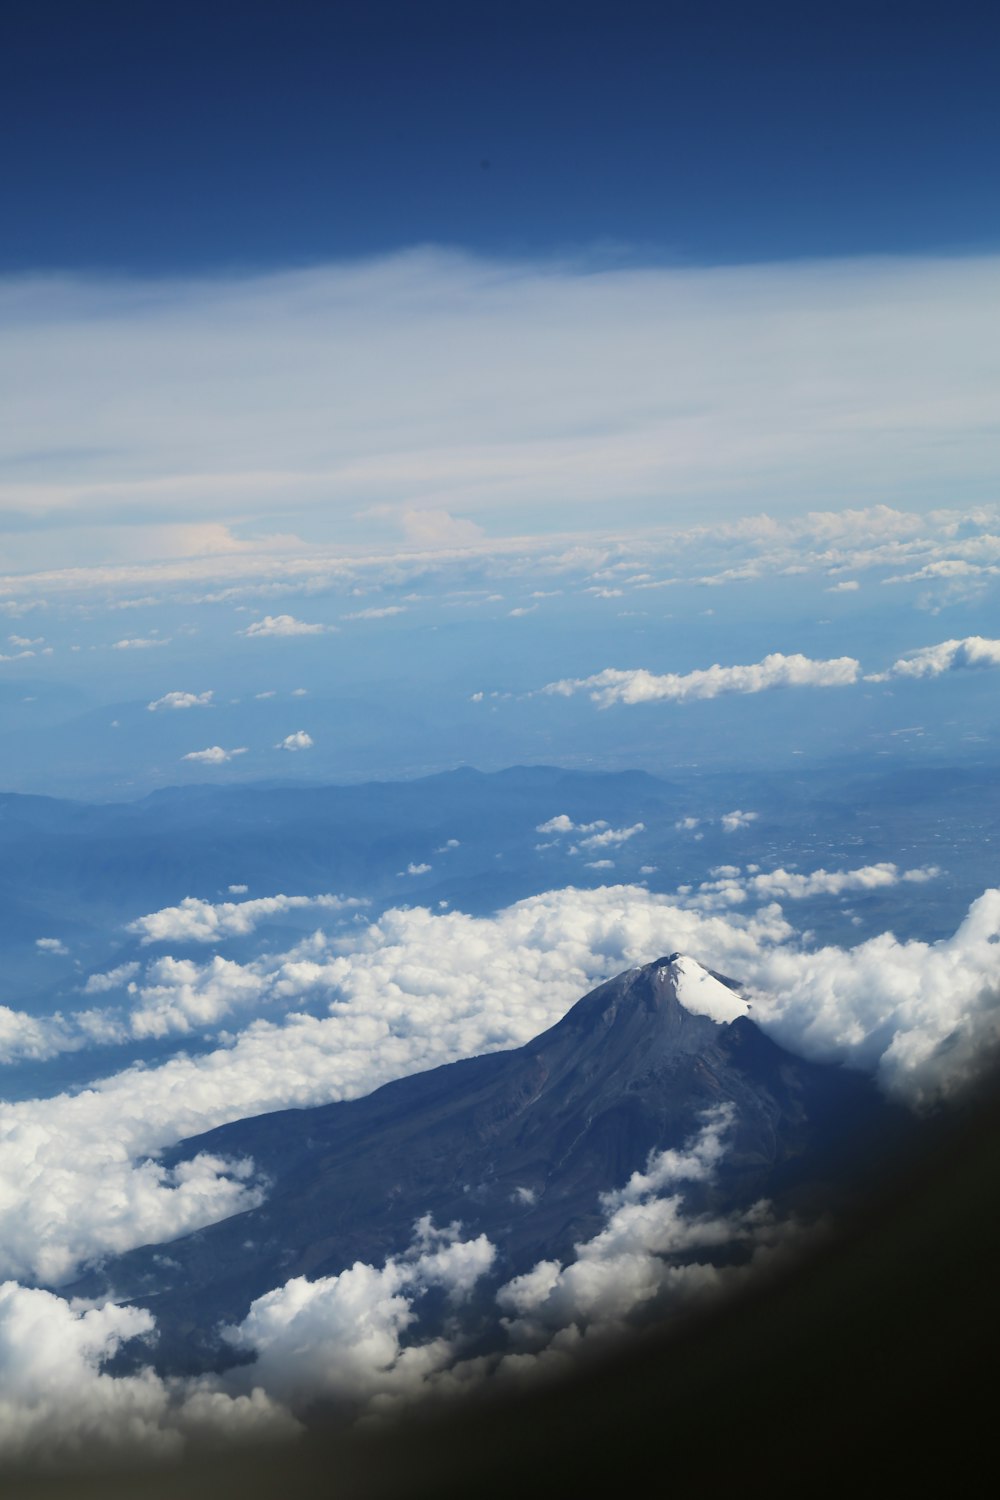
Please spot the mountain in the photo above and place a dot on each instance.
(518, 1145)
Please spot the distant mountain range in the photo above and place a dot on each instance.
(518, 1145)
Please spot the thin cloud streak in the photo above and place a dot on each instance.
(436, 384)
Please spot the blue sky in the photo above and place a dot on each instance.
(148, 138)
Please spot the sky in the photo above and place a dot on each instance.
(389, 389)
(194, 137)
(387, 276)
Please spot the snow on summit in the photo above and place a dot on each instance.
(699, 992)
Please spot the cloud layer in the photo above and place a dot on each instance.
(433, 386)
(613, 685)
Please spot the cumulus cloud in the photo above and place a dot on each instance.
(60, 1409)
(51, 945)
(611, 836)
(975, 652)
(731, 821)
(182, 700)
(775, 671)
(196, 921)
(283, 625)
(299, 740)
(845, 586)
(637, 1256)
(730, 888)
(341, 1336)
(140, 643)
(114, 979)
(35, 1037)
(214, 755)
(414, 869)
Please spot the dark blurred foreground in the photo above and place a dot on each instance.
(874, 1357)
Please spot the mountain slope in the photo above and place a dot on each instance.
(517, 1145)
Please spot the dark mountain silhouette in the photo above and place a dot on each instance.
(518, 1145)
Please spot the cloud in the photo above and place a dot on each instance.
(182, 700)
(477, 399)
(35, 1037)
(299, 740)
(214, 755)
(430, 527)
(775, 671)
(196, 921)
(341, 1337)
(51, 945)
(732, 821)
(414, 869)
(974, 653)
(730, 888)
(283, 625)
(141, 643)
(59, 1410)
(382, 613)
(114, 979)
(845, 586)
(612, 837)
(636, 1258)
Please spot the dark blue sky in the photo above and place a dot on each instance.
(145, 135)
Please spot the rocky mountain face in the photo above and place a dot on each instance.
(517, 1145)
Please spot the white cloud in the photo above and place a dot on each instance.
(196, 921)
(37, 1037)
(600, 864)
(975, 652)
(731, 821)
(563, 823)
(283, 625)
(114, 979)
(494, 380)
(382, 613)
(634, 1258)
(237, 890)
(687, 825)
(141, 643)
(612, 837)
(59, 1409)
(214, 755)
(414, 869)
(51, 945)
(299, 740)
(775, 671)
(845, 586)
(341, 1336)
(730, 889)
(182, 700)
